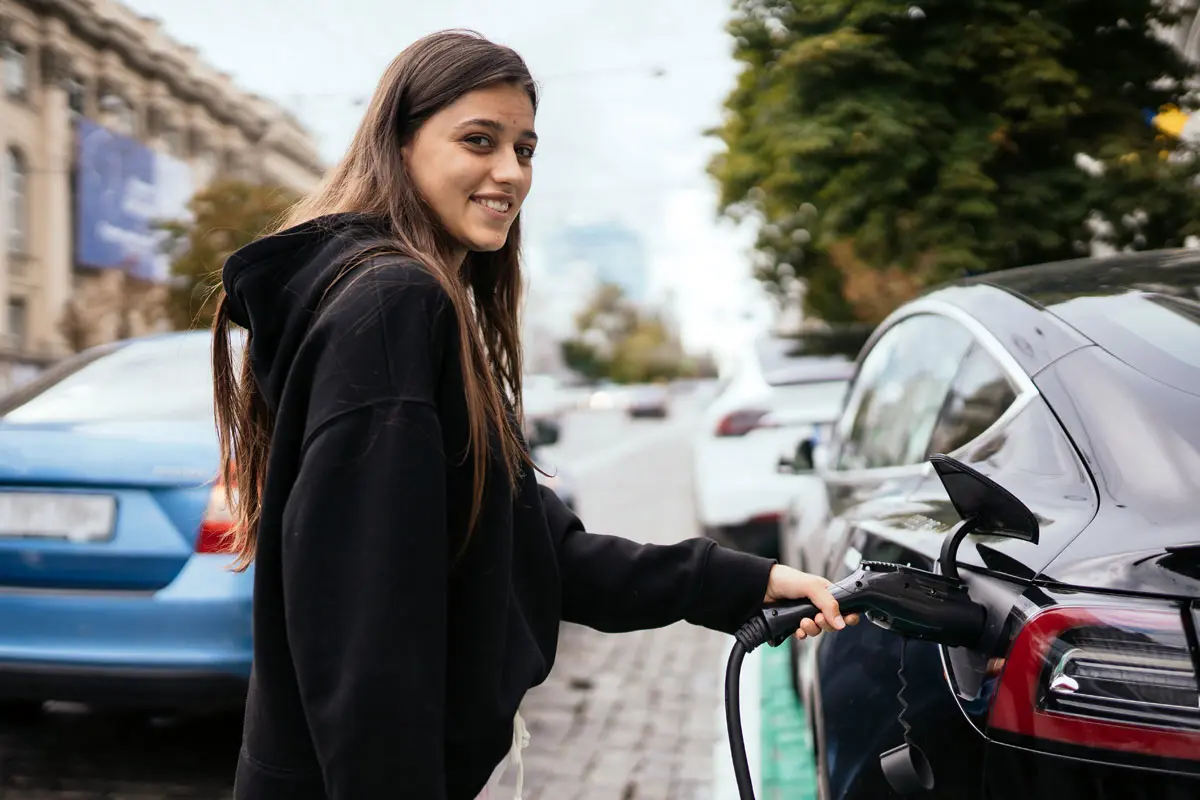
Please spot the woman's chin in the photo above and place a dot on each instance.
(488, 244)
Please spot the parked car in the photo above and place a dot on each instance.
(545, 401)
(541, 433)
(764, 409)
(648, 400)
(1076, 387)
(114, 585)
(113, 579)
(605, 396)
(801, 544)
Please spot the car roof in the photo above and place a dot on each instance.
(1166, 272)
(1040, 313)
(1143, 308)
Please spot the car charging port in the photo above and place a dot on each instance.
(910, 602)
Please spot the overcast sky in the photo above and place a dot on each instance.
(628, 87)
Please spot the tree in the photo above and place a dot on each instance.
(884, 148)
(226, 216)
(648, 353)
(618, 340)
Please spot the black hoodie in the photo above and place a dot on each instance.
(382, 667)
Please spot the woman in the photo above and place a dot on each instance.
(410, 574)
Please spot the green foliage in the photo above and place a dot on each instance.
(583, 359)
(622, 342)
(226, 216)
(886, 146)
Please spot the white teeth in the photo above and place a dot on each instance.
(495, 205)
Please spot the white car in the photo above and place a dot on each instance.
(544, 396)
(771, 403)
(546, 404)
(648, 400)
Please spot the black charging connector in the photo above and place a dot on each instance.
(911, 602)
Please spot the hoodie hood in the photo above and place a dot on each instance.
(274, 286)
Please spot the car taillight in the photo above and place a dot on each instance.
(215, 527)
(1119, 679)
(739, 423)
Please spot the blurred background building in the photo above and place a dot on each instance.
(108, 125)
(575, 259)
(610, 252)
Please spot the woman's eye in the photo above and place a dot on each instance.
(479, 139)
(524, 151)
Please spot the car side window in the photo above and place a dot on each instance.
(900, 392)
(979, 395)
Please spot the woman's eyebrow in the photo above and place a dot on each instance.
(492, 124)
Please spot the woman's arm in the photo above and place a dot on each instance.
(614, 584)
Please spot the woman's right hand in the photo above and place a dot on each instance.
(786, 583)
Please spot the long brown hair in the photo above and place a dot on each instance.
(485, 292)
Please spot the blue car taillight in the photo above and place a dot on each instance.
(215, 536)
(1103, 677)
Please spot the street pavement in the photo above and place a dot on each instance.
(628, 716)
(635, 716)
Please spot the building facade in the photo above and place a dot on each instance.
(106, 124)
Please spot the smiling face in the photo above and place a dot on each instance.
(472, 163)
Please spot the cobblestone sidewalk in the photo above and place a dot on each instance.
(625, 717)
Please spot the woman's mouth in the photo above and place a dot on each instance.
(499, 207)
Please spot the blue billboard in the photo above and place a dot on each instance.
(124, 189)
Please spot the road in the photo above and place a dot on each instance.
(631, 715)
(640, 716)
(623, 717)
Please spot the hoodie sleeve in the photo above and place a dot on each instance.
(365, 554)
(615, 585)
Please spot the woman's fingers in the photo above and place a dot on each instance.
(818, 593)
(819, 624)
(807, 628)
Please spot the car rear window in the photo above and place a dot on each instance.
(163, 378)
(1156, 334)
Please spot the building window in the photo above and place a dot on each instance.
(16, 72)
(76, 95)
(173, 141)
(120, 114)
(16, 201)
(18, 323)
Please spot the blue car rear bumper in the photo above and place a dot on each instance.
(189, 642)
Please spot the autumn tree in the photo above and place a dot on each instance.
(617, 339)
(885, 146)
(225, 216)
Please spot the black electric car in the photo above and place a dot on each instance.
(1076, 387)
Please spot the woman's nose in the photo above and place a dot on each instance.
(507, 169)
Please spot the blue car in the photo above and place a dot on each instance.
(113, 583)
(115, 588)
